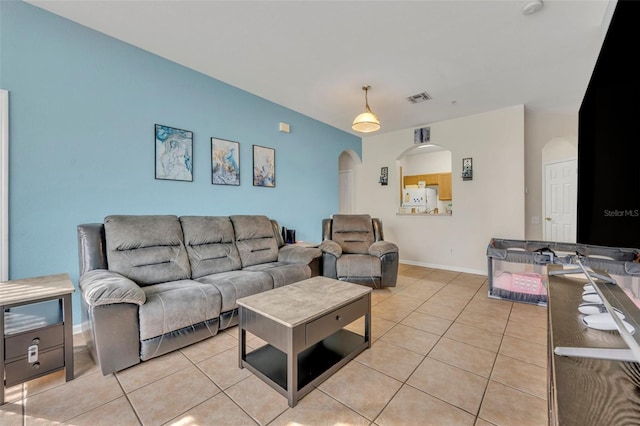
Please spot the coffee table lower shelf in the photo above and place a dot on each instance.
(315, 364)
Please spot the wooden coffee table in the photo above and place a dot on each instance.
(303, 324)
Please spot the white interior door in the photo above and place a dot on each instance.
(345, 190)
(560, 201)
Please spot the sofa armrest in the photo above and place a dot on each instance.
(380, 248)
(297, 254)
(103, 287)
(331, 247)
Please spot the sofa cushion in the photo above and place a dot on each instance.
(175, 305)
(354, 233)
(146, 249)
(255, 239)
(233, 285)
(292, 253)
(210, 243)
(283, 273)
(358, 265)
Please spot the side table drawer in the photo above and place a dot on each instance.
(21, 370)
(47, 337)
(333, 321)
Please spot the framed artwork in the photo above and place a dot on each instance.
(264, 166)
(225, 162)
(174, 153)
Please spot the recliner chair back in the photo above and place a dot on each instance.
(354, 250)
(354, 233)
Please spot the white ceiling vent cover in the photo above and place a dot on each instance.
(420, 97)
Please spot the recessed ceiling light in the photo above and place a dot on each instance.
(532, 7)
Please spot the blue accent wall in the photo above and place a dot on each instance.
(82, 111)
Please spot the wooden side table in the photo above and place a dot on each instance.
(37, 333)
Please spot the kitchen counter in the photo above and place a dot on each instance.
(423, 214)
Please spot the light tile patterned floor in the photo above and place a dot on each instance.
(443, 353)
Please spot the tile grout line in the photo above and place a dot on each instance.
(126, 395)
(466, 305)
(443, 335)
(24, 404)
(527, 362)
(224, 391)
(502, 335)
(405, 382)
(484, 394)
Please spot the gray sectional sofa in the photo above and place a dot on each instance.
(153, 284)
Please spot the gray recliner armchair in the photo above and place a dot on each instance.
(354, 250)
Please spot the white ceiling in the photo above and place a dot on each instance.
(314, 56)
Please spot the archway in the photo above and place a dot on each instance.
(348, 161)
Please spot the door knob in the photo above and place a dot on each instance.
(548, 219)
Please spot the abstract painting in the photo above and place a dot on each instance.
(174, 153)
(225, 162)
(264, 166)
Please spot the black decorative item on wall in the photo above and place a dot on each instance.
(422, 135)
(384, 176)
(467, 168)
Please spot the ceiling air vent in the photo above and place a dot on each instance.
(420, 97)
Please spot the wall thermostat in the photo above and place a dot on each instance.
(467, 169)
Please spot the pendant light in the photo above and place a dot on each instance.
(366, 122)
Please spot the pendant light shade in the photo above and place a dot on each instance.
(366, 122)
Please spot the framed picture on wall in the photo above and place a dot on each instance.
(225, 162)
(264, 166)
(174, 153)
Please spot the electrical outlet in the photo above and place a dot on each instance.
(535, 220)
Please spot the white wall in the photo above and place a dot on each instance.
(429, 162)
(491, 205)
(549, 137)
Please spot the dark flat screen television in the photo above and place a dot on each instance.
(609, 138)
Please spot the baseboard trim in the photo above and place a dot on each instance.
(444, 267)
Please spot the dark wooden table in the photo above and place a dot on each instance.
(585, 391)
